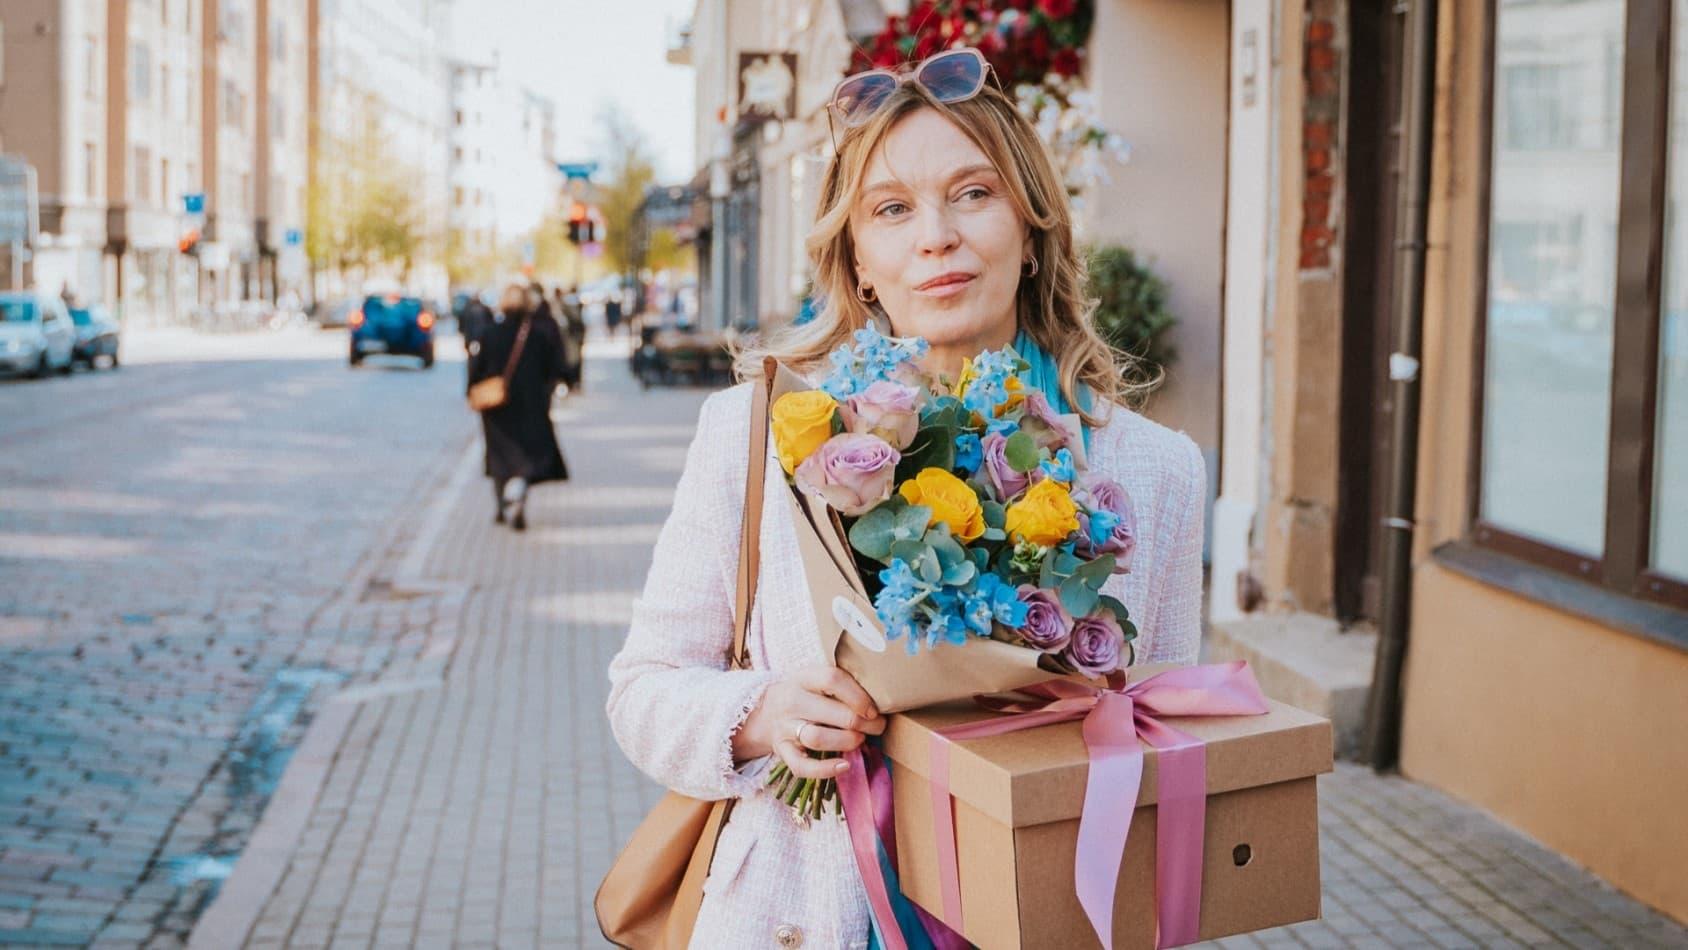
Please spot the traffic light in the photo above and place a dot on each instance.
(580, 226)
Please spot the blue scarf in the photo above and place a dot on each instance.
(1045, 374)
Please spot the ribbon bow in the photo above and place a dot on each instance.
(1117, 720)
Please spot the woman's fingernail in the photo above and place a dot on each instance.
(840, 766)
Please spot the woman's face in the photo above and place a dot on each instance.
(937, 236)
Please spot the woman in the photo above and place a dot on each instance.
(942, 215)
(521, 447)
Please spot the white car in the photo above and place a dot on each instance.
(36, 335)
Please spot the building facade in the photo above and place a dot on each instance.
(1458, 416)
(383, 63)
(130, 108)
(54, 116)
(502, 170)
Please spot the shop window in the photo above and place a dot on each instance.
(1583, 412)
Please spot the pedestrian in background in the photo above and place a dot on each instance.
(476, 316)
(573, 343)
(521, 446)
(612, 311)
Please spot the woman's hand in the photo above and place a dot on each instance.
(819, 707)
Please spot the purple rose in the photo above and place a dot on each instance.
(885, 409)
(1048, 626)
(1121, 542)
(1104, 495)
(1096, 646)
(1004, 479)
(851, 472)
(1043, 423)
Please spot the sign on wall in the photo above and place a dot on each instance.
(767, 85)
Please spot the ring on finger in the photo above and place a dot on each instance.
(797, 734)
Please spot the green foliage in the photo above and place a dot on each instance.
(361, 206)
(1131, 314)
(628, 169)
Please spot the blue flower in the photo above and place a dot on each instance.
(946, 628)
(1002, 427)
(969, 453)
(1060, 468)
(871, 358)
(1102, 525)
(897, 602)
(1003, 601)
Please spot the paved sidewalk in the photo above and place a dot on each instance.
(479, 805)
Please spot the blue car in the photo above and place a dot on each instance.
(395, 325)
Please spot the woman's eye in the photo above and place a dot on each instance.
(891, 208)
(976, 194)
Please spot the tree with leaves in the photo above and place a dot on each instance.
(628, 169)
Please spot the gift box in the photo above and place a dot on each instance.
(1017, 801)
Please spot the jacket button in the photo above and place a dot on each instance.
(787, 935)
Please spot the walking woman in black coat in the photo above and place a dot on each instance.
(521, 446)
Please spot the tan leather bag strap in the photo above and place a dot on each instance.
(688, 896)
(750, 539)
(516, 351)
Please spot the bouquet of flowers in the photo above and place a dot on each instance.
(971, 520)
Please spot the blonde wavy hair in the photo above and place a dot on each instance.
(1052, 305)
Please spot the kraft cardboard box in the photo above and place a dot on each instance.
(1017, 799)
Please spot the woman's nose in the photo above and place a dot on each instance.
(938, 234)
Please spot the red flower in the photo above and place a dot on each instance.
(1020, 4)
(1057, 9)
(1066, 63)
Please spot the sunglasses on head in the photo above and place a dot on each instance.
(953, 75)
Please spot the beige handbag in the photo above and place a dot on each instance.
(650, 898)
(494, 391)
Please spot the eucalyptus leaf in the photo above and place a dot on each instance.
(1046, 576)
(1130, 630)
(981, 557)
(1096, 572)
(996, 515)
(910, 523)
(873, 533)
(1066, 564)
(1021, 452)
(1077, 597)
(959, 573)
(994, 534)
(927, 566)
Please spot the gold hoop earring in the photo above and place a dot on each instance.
(866, 294)
(1032, 272)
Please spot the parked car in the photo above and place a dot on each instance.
(36, 335)
(389, 323)
(96, 335)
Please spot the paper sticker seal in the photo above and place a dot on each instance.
(857, 625)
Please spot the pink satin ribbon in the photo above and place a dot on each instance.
(1117, 721)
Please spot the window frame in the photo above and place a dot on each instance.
(1643, 143)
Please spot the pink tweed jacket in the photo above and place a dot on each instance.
(674, 706)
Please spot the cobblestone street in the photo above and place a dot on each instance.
(222, 568)
(187, 547)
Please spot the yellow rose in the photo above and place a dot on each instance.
(950, 499)
(801, 422)
(1046, 515)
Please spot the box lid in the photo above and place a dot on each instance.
(1037, 775)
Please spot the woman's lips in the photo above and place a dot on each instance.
(945, 285)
